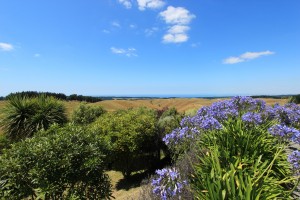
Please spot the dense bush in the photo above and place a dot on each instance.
(4, 142)
(86, 114)
(61, 163)
(133, 136)
(295, 99)
(22, 116)
(238, 152)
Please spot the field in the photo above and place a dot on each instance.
(130, 189)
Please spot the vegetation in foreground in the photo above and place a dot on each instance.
(234, 149)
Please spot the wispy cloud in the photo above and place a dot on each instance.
(105, 31)
(133, 26)
(179, 18)
(151, 4)
(116, 24)
(6, 47)
(246, 56)
(126, 3)
(151, 31)
(37, 55)
(129, 52)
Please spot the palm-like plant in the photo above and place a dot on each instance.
(24, 116)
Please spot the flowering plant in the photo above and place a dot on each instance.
(242, 130)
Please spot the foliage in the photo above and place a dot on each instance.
(4, 142)
(61, 163)
(60, 96)
(89, 99)
(295, 99)
(34, 94)
(86, 114)
(22, 116)
(133, 136)
(238, 156)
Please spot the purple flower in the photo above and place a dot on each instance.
(252, 118)
(168, 184)
(294, 159)
(210, 123)
(296, 136)
(283, 131)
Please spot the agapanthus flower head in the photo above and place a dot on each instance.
(168, 183)
(294, 159)
(180, 134)
(252, 118)
(288, 114)
(244, 103)
(296, 136)
(283, 131)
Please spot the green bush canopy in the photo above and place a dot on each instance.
(61, 163)
(133, 136)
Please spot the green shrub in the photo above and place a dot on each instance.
(133, 136)
(234, 149)
(86, 114)
(22, 117)
(57, 164)
(239, 162)
(4, 142)
(295, 99)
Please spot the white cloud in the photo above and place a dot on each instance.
(151, 31)
(128, 52)
(175, 38)
(105, 31)
(179, 18)
(233, 60)
(178, 29)
(37, 55)
(246, 56)
(177, 15)
(253, 55)
(116, 24)
(152, 4)
(133, 26)
(126, 3)
(6, 47)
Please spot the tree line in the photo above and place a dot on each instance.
(60, 96)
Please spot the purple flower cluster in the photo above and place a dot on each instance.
(211, 117)
(284, 131)
(288, 114)
(252, 118)
(294, 159)
(179, 134)
(168, 184)
(250, 111)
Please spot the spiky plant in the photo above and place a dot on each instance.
(24, 116)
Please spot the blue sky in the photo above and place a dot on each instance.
(150, 47)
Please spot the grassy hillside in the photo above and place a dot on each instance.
(181, 104)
